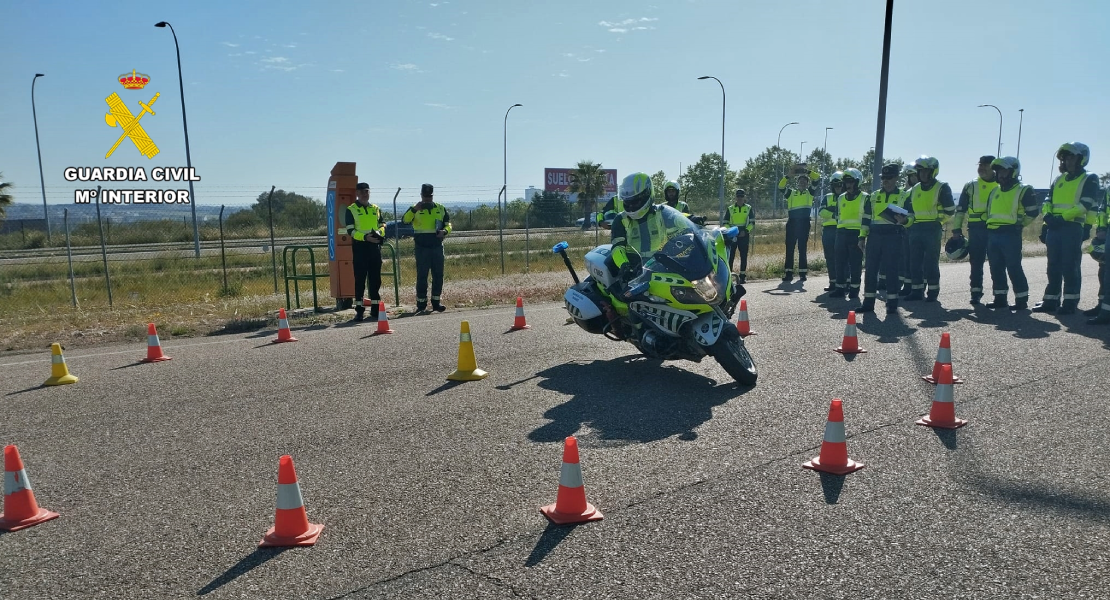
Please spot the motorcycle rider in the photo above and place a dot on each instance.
(670, 198)
(609, 212)
(642, 229)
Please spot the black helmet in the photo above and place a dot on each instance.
(891, 170)
(956, 248)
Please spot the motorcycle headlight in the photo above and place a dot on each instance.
(706, 288)
(686, 295)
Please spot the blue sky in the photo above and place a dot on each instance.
(416, 91)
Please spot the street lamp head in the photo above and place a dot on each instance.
(40, 75)
(705, 77)
(518, 105)
(793, 123)
(161, 24)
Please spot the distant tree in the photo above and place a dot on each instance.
(761, 174)
(701, 184)
(1104, 179)
(550, 209)
(657, 182)
(5, 195)
(291, 210)
(588, 181)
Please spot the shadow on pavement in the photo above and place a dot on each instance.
(549, 540)
(831, 486)
(252, 560)
(946, 437)
(1024, 326)
(890, 328)
(786, 288)
(629, 399)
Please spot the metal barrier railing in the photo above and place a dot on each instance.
(289, 257)
(396, 275)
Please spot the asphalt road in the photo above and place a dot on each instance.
(165, 474)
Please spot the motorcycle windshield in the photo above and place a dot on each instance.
(685, 252)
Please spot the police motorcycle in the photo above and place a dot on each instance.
(675, 305)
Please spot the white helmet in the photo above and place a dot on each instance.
(635, 193)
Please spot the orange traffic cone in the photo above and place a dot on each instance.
(383, 320)
(570, 504)
(519, 322)
(20, 509)
(834, 447)
(943, 412)
(291, 526)
(153, 346)
(850, 345)
(742, 324)
(284, 335)
(944, 357)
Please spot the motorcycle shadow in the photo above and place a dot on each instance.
(630, 399)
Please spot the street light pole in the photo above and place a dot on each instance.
(185, 123)
(801, 151)
(999, 125)
(500, 216)
(778, 141)
(1021, 117)
(42, 181)
(722, 190)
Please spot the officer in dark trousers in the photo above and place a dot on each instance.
(799, 204)
(971, 209)
(742, 217)
(430, 224)
(881, 238)
(364, 225)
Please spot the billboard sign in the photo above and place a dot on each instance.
(558, 180)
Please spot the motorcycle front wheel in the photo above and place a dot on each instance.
(730, 352)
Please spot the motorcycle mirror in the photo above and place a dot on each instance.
(561, 246)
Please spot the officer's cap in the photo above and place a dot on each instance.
(426, 189)
(363, 186)
(741, 194)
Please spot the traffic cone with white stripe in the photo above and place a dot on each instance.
(383, 320)
(284, 335)
(742, 324)
(468, 366)
(20, 509)
(153, 346)
(850, 345)
(570, 504)
(944, 357)
(59, 372)
(291, 526)
(943, 412)
(834, 447)
(519, 322)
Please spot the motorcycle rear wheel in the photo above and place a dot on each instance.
(730, 352)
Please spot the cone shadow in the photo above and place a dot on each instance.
(831, 486)
(128, 366)
(250, 561)
(946, 437)
(30, 389)
(549, 540)
(444, 387)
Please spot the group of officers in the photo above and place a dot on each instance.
(899, 230)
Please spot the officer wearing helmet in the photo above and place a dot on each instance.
(799, 206)
(827, 213)
(849, 250)
(670, 198)
(904, 268)
(881, 240)
(742, 216)
(1010, 207)
(643, 228)
(1101, 312)
(609, 212)
(929, 205)
(1065, 211)
(971, 209)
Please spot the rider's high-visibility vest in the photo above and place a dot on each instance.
(828, 211)
(1003, 206)
(739, 216)
(926, 203)
(850, 212)
(366, 219)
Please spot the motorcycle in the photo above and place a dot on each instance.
(676, 305)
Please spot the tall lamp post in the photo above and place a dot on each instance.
(500, 216)
(999, 125)
(1021, 117)
(722, 190)
(778, 141)
(801, 151)
(42, 181)
(185, 123)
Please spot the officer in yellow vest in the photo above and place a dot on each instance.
(1010, 207)
(430, 224)
(741, 215)
(609, 213)
(1065, 211)
(881, 238)
(849, 253)
(643, 228)
(799, 204)
(367, 231)
(972, 209)
(904, 268)
(930, 202)
(670, 198)
(1101, 312)
(827, 213)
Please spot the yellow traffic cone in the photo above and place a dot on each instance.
(59, 372)
(468, 367)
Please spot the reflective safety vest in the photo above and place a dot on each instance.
(799, 200)
(1003, 206)
(649, 233)
(850, 212)
(879, 201)
(978, 196)
(738, 215)
(681, 207)
(366, 220)
(428, 221)
(614, 207)
(828, 211)
(926, 206)
(1066, 195)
